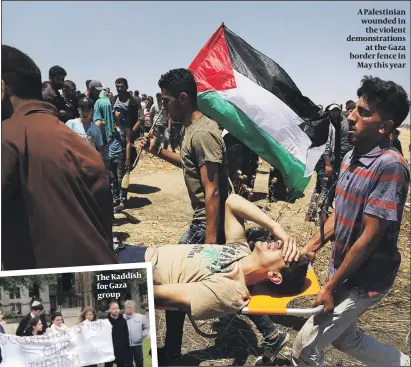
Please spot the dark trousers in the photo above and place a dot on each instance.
(138, 357)
(117, 172)
(175, 319)
(111, 364)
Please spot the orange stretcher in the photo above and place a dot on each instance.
(264, 302)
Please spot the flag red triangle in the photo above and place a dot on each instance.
(212, 67)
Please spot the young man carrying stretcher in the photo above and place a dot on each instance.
(210, 281)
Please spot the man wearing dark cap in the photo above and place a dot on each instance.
(102, 115)
(337, 146)
(51, 94)
(85, 127)
(56, 199)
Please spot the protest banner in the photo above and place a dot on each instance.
(81, 345)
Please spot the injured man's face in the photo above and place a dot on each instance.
(285, 278)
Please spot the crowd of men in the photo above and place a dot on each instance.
(110, 123)
(211, 271)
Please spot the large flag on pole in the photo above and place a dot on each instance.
(252, 97)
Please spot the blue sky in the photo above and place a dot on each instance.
(142, 40)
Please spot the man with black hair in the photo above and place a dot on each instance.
(86, 93)
(337, 146)
(213, 280)
(137, 97)
(161, 128)
(70, 99)
(395, 141)
(134, 117)
(204, 163)
(370, 199)
(102, 116)
(36, 310)
(56, 199)
(120, 337)
(84, 125)
(52, 95)
(349, 107)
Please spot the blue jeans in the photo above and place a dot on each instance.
(117, 172)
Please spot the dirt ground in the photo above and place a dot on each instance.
(159, 213)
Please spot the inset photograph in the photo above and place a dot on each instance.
(84, 316)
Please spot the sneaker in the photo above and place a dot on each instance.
(405, 361)
(271, 349)
(119, 208)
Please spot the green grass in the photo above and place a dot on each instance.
(147, 358)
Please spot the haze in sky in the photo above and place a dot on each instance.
(142, 40)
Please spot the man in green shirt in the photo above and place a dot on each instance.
(103, 115)
(204, 163)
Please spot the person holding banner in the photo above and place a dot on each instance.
(89, 314)
(57, 324)
(34, 327)
(36, 312)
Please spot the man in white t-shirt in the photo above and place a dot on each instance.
(85, 127)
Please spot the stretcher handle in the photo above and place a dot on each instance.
(306, 312)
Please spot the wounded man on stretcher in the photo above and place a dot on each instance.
(210, 281)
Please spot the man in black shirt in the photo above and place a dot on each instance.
(85, 94)
(137, 97)
(51, 94)
(127, 101)
(395, 141)
(70, 98)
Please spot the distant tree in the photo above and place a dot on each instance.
(35, 283)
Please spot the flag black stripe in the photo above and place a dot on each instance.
(268, 74)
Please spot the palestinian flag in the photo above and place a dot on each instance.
(253, 98)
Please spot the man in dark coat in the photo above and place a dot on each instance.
(121, 339)
(36, 311)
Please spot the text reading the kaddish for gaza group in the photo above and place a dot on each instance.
(111, 286)
(385, 39)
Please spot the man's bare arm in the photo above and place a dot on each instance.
(210, 181)
(238, 209)
(127, 162)
(172, 296)
(170, 157)
(314, 244)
